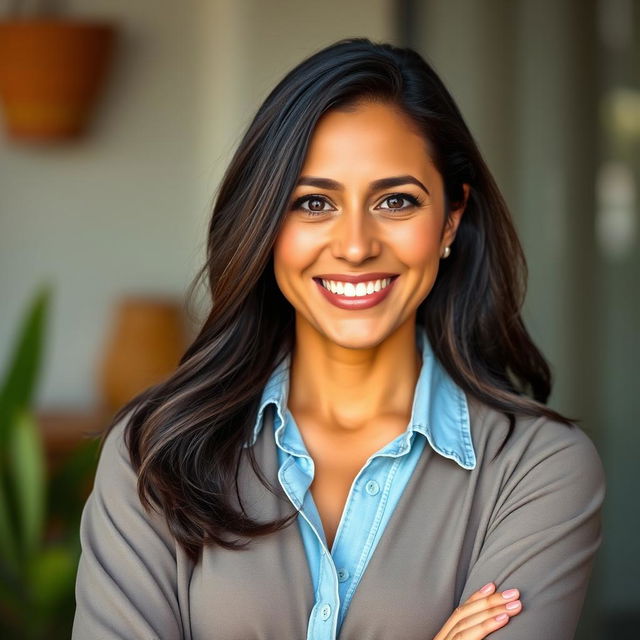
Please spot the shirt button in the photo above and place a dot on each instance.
(343, 575)
(325, 612)
(372, 487)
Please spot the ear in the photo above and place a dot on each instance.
(453, 220)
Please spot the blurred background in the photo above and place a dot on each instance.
(104, 205)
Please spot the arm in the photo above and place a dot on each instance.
(543, 535)
(126, 582)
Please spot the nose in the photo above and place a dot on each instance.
(355, 237)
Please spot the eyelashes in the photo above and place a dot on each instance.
(415, 202)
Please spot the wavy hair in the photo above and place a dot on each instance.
(186, 434)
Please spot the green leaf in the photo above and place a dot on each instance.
(21, 376)
(52, 576)
(28, 467)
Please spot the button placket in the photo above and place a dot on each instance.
(323, 621)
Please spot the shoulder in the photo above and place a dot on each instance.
(116, 479)
(114, 499)
(115, 485)
(537, 448)
(539, 496)
(127, 576)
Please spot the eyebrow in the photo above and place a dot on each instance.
(382, 183)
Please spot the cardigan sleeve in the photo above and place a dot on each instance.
(126, 580)
(544, 532)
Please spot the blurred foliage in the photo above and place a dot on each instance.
(39, 513)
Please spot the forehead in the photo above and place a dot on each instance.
(369, 137)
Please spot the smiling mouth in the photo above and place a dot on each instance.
(355, 289)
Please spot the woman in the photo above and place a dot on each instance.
(365, 372)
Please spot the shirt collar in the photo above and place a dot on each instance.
(440, 410)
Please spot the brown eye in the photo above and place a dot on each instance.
(316, 205)
(395, 202)
(397, 198)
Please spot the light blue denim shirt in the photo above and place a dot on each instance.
(439, 412)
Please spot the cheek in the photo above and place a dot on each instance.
(294, 249)
(418, 244)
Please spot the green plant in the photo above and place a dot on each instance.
(39, 515)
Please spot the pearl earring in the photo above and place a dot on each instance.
(446, 252)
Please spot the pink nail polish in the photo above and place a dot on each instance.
(487, 588)
(509, 594)
(513, 605)
(501, 617)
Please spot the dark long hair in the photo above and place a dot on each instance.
(186, 435)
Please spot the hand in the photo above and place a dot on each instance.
(483, 613)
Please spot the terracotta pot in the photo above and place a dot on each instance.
(51, 72)
(143, 347)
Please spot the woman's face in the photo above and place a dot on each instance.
(369, 205)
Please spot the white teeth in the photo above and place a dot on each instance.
(350, 290)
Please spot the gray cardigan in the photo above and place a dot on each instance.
(530, 518)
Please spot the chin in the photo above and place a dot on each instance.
(357, 334)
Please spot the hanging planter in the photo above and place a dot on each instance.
(51, 72)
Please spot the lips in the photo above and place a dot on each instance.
(357, 302)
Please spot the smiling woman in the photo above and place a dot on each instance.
(358, 438)
(374, 210)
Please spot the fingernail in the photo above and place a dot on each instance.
(510, 594)
(487, 588)
(501, 617)
(513, 605)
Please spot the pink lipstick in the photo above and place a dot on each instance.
(348, 283)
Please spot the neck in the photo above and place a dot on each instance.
(345, 390)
